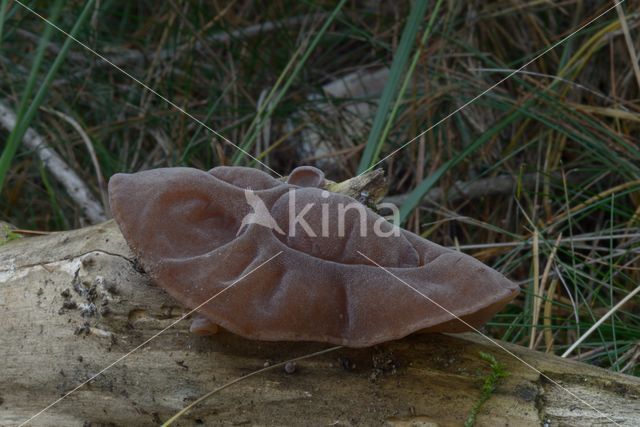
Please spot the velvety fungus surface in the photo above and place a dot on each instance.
(191, 231)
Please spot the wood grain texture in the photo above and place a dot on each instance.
(72, 303)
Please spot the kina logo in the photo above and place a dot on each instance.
(260, 215)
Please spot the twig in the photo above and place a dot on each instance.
(539, 295)
(139, 57)
(536, 286)
(601, 321)
(51, 46)
(463, 190)
(546, 320)
(75, 186)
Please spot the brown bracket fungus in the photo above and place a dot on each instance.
(190, 230)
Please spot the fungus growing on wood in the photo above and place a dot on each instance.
(189, 230)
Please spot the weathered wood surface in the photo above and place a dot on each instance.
(47, 347)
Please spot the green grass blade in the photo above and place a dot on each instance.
(193, 140)
(523, 111)
(256, 124)
(3, 11)
(14, 138)
(51, 73)
(23, 119)
(275, 96)
(407, 78)
(58, 216)
(418, 193)
(400, 59)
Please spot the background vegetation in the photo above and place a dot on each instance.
(538, 178)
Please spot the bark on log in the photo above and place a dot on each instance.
(72, 303)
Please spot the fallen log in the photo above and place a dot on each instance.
(73, 303)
